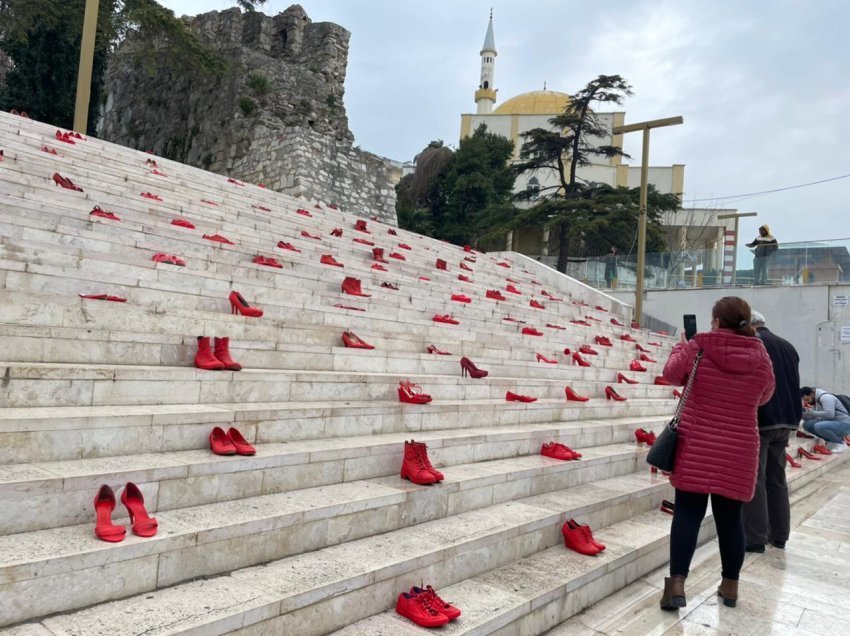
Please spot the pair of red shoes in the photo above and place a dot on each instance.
(577, 359)
(287, 246)
(67, 137)
(611, 394)
(536, 305)
(559, 451)
(645, 437)
(579, 538)
(217, 359)
(495, 294)
(352, 286)
(328, 259)
(65, 182)
(353, 341)
(151, 196)
(168, 259)
(239, 305)
(424, 607)
(416, 467)
(446, 318)
(230, 443)
(134, 501)
(602, 341)
(410, 393)
(510, 396)
(100, 212)
(267, 261)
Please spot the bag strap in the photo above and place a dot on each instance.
(674, 423)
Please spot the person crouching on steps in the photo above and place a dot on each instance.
(718, 449)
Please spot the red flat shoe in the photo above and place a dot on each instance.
(445, 318)
(542, 358)
(536, 305)
(183, 223)
(635, 365)
(627, 338)
(583, 323)
(554, 326)
(239, 305)
(510, 396)
(577, 359)
(588, 350)
(622, 378)
(397, 256)
(352, 341)
(410, 393)
(793, 462)
(351, 285)
(495, 294)
(151, 196)
(424, 279)
(240, 443)
(268, 262)
(327, 259)
(220, 442)
(362, 241)
(98, 211)
(306, 234)
(218, 238)
(114, 299)
(433, 349)
(802, 452)
(513, 290)
(64, 138)
(531, 331)
(104, 529)
(134, 501)
(572, 396)
(611, 394)
(468, 367)
(168, 259)
(602, 341)
(461, 298)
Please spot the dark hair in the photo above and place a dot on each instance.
(806, 390)
(734, 313)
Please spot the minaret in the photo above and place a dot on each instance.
(485, 96)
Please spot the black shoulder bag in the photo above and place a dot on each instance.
(662, 454)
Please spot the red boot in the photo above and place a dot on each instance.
(351, 286)
(423, 456)
(413, 468)
(222, 352)
(204, 358)
(378, 255)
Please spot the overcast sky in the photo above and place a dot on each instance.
(763, 85)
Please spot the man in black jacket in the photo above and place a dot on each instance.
(767, 518)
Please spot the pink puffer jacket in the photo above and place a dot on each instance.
(718, 434)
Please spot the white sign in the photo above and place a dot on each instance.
(845, 333)
(840, 301)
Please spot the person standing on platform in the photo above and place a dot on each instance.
(767, 517)
(611, 268)
(764, 247)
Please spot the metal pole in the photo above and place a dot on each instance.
(735, 252)
(81, 109)
(641, 249)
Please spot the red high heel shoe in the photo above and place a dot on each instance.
(821, 449)
(410, 393)
(239, 305)
(616, 322)
(611, 394)
(622, 378)
(134, 501)
(635, 365)
(572, 396)
(531, 331)
(627, 338)
(802, 452)
(588, 350)
(240, 443)
(351, 285)
(288, 246)
(65, 182)
(327, 259)
(445, 318)
(433, 349)
(536, 305)
(98, 211)
(352, 341)
(104, 529)
(644, 437)
(510, 396)
(468, 367)
(577, 359)
(465, 267)
(602, 341)
(114, 299)
(794, 463)
(646, 358)
(463, 278)
(220, 442)
(641, 349)
(542, 358)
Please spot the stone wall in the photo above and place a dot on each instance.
(275, 116)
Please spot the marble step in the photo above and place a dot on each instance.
(328, 588)
(536, 593)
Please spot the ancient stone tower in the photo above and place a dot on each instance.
(275, 115)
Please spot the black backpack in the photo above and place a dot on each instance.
(845, 401)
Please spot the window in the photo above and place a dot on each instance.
(486, 84)
(533, 188)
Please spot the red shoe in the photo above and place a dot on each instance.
(134, 501)
(575, 539)
(821, 449)
(268, 262)
(531, 331)
(794, 463)
(577, 359)
(235, 182)
(602, 341)
(510, 318)
(644, 437)
(447, 609)
(208, 202)
(360, 226)
(397, 256)
(536, 305)
(363, 241)
(601, 308)
(386, 285)
(168, 259)
(205, 358)
(593, 319)
(660, 381)
(627, 338)
(422, 449)
(288, 246)
(465, 267)
(563, 447)
(98, 211)
(654, 344)
(222, 353)
(503, 264)
(410, 393)
(621, 378)
(239, 305)
(646, 358)
(611, 394)
(572, 396)
(513, 290)
(220, 442)
(306, 234)
(468, 367)
(405, 246)
(352, 341)
(340, 306)
(510, 396)
(640, 348)
(114, 299)
(183, 223)
(240, 443)
(588, 350)
(418, 608)
(327, 259)
(802, 452)
(104, 529)
(392, 232)
(445, 318)
(337, 231)
(303, 212)
(378, 255)
(616, 322)
(583, 323)
(433, 349)
(151, 196)
(424, 278)
(218, 238)
(65, 182)
(635, 365)
(461, 298)
(557, 451)
(379, 268)
(441, 264)
(542, 358)
(495, 294)
(585, 530)
(667, 507)
(677, 393)
(413, 468)
(261, 207)
(64, 137)
(463, 278)
(635, 324)
(49, 151)
(351, 285)
(554, 326)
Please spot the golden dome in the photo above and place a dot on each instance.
(534, 103)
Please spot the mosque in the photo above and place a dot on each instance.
(700, 241)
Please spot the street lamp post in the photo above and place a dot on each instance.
(644, 126)
(736, 216)
(81, 108)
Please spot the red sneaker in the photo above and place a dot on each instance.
(418, 608)
(362, 241)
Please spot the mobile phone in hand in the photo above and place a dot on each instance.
(690, 323)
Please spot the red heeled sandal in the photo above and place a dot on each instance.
(410, 393)
(611, 394)
(239, 305)
(132, 498)
(352, 341)
(572, 396)
(542, 358)
(104, 529)
(468, 367)
(644, 437)
(433, 349)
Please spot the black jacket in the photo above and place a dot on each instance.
(785, 408)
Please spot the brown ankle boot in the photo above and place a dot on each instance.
(674, 593)
(728, 591)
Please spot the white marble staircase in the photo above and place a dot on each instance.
(316, 532)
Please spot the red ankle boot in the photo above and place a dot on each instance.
(351, 286)
(222, 352)
(378, 255)
(423, 456)
(204, 358)
(413, 468)
(441, 264)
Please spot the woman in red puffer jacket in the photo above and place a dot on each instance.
(718, 448)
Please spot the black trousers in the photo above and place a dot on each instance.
(767, 518)
(687, 517)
